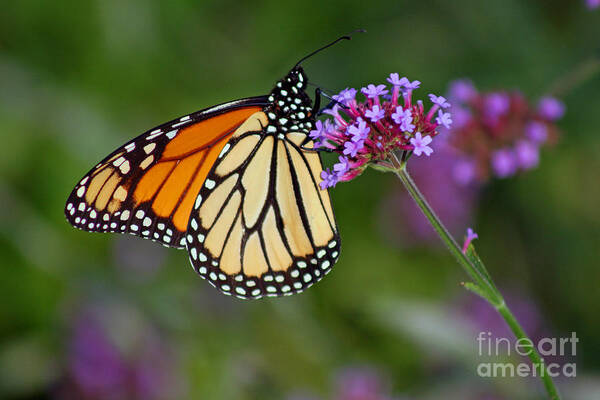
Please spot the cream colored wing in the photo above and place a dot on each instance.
(260, 224)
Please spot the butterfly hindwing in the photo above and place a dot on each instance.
(148, 186)
(261, 225)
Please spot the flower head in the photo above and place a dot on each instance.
(495, 134)
(591, 4)
(367, 131)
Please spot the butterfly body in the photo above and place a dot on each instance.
(234, 184)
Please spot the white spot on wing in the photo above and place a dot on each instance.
(172, 134)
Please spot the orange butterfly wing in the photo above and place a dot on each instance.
(148, 186)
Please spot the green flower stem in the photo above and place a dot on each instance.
(483, 284)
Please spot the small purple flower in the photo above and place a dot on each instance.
(404, 119)
(411, 85)
(319, 131)
(421, 144)
(462, 90)
(395, 81)
(343, 166)
(439, 100)
(375, 114)
(504, 163)
(334, 112)
(460, 117)
(464, 171)
(536, 131)
(361, 383)
(444, 119)
(471, 235)
(496, 104)
(352, 148)
(372, 91)
(329, 179)
(591, 4)
(551, 108)
(359, 131)
(345, 96)
(528, 154)
(400, 114)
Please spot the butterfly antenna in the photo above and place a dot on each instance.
(345, 37)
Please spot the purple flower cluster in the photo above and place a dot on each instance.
(100, 367)
(592, 4)
(366, 131)
(498, 133)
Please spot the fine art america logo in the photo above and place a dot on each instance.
(550, 349)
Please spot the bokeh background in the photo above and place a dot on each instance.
(90, 316)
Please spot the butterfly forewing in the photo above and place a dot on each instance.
(148, 186)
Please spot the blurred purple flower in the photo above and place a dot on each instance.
(496, 104)
(460, 117)
(497, 134)
(361, 383)
(592, 4)
(464, 171)
(104, 363)
(551, 108)
(528, 154)
(504, 163)
(462, 90)
(536, 131)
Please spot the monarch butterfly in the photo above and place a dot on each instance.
(236, 184)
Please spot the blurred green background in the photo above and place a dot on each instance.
(113, 317)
